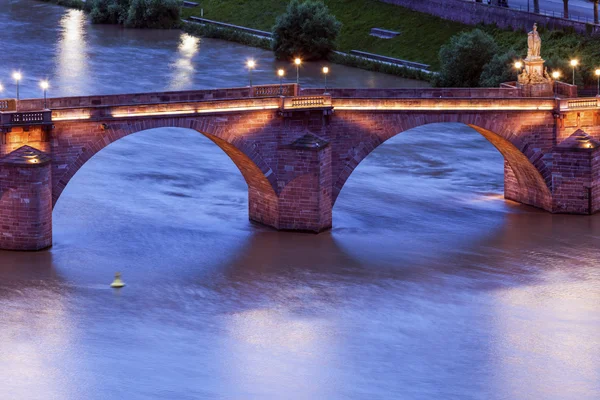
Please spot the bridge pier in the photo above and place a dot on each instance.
(25, 200)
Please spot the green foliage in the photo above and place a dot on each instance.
(108, 11)
(305, 30)
(153, 14)
(463, 58)
(78, 4)
(500, 69)
(136, 13)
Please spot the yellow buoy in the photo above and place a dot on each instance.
(117, 283)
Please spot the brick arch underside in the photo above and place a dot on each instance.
(522, 163)
(256, 172)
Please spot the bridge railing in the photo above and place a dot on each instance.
(275, 90)
(17, 118)
(303, 102)
(579, 103)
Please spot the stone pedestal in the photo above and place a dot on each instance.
(534, 81)
(25, 200)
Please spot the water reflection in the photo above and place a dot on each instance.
(72, 67)
(184, 68)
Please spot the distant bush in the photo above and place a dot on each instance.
(108, 11)
(136, 13)
(153, 14)
(463, 58)
(305, 30)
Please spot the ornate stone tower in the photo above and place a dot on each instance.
(534, 80)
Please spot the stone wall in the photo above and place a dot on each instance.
(472, 13)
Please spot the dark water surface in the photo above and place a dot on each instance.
(430, 285)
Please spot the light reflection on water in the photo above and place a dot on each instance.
(429, 286)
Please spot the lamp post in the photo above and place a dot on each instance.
(325, 72)
(555, 76)
(17, 77)
(251, 64)
(574, 64)
(297, 61)
(518, 66)
(598, 76)
(280, 73)
(44, 85)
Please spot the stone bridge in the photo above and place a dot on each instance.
(297, 150)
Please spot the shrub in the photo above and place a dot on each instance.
(305, 30)
(463, 58)
(136, 13)
(109, 11)
(499, 69)
(158, 14)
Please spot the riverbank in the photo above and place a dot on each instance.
(248, 39)
(421, 35)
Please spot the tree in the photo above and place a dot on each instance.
(463, 58)
(566, 8)
(306, 30)
(500, 69)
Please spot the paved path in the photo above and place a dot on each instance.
(577, 8)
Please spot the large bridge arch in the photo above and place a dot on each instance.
(527, 177)
(260, 178)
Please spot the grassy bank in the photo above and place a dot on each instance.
(421, 35)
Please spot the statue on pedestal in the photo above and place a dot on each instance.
(534, 44)
(534, 72)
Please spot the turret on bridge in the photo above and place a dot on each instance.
(295, 151)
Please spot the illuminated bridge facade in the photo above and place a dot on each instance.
(295, 151)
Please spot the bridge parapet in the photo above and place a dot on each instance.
(159, 97)
(510, 92)
(8, 105)
(444, 104)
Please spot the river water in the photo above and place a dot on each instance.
(429, 286)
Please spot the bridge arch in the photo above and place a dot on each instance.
(526, 173)
(259, 177)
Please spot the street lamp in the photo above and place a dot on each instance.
(44, 85)
(297, 61)
(574, 64)
(280, 73)
(555, 76)
(17, 77)
(325, 72)
(518, 65)
(598, 76)
(251, 64)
